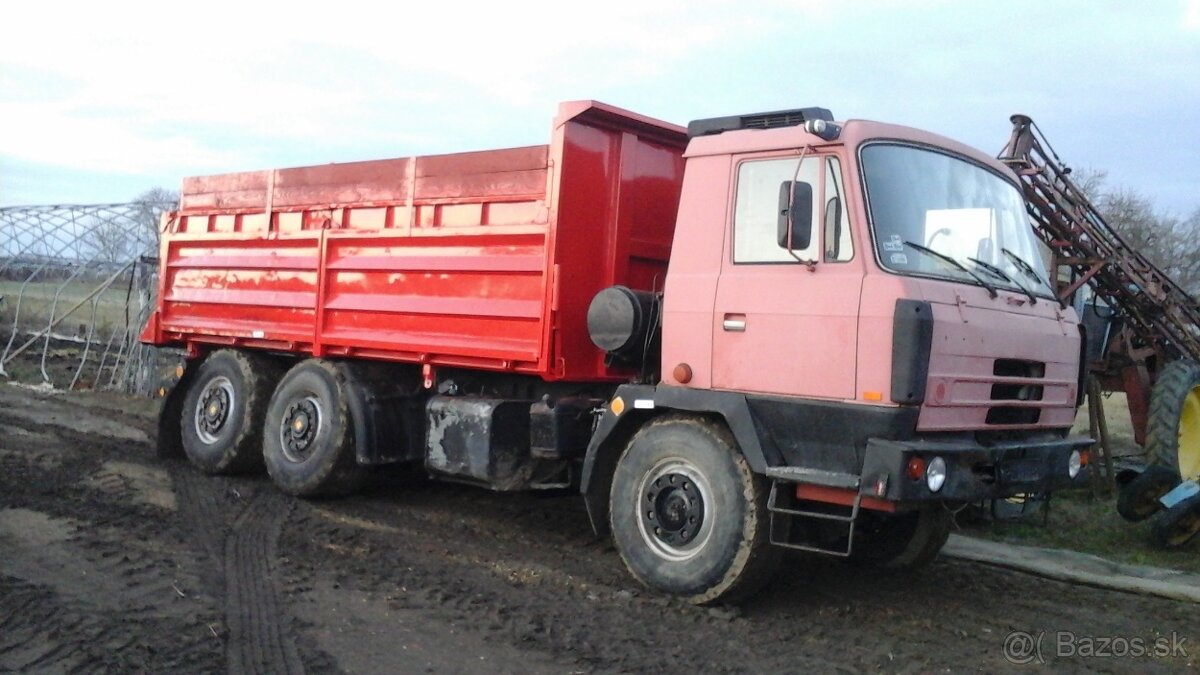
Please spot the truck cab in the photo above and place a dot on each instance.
(865, 308)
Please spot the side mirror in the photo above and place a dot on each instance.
(794, 228)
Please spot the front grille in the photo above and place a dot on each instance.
(1016, 391)
(1005, 414)
(1019, 368)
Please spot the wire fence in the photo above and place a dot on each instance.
(77, 283)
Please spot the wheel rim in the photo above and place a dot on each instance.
(675, 510)
(1189, 436)
(213, 409)
(302, 421)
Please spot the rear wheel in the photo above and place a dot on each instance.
(223, 410)
(308, 438)
(1173, 426)
(687, 514)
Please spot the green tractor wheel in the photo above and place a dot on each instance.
(1173, 426)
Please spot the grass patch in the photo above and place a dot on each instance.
(1078, 521)
(37, 299)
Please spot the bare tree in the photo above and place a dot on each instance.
(1168, 240)
(110, 240)
(151, 204)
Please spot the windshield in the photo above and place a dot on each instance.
(927, 207)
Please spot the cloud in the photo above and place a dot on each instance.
(50, 135)
(1191, 15)
(137, 87)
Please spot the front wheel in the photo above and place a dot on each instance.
(308, 438)
(907, 541)
(687, 514)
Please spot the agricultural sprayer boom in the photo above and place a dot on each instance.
(1162, 319)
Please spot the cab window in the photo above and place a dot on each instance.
(756, 209)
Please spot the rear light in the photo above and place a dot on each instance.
(915, 469)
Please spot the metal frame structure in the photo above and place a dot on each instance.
(65, 262)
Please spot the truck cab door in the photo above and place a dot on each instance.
(786, 322)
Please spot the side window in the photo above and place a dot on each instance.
(839, 247)
(756, 209)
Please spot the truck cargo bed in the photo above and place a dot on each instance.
(479, 259)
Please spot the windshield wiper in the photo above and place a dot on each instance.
(951, 261)
(1025, 267)
(1001, 275)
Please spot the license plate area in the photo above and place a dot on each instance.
(1020, 471)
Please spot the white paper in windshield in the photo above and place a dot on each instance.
(960, 233)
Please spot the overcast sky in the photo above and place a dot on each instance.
(101, 101)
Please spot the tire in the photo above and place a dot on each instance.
(908, 541)
(223, 410)
(687, 514)
(308, 436)
(1173, 424)
(1138, 499)
(1177, 526)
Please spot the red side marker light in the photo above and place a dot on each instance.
(915, 469)
(683, 373)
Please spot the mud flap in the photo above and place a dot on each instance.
(171, 390)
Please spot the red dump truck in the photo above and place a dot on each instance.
(759, 332)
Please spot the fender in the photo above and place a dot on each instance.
(645, 402)
(386, 409)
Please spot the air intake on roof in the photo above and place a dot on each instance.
(766, 120)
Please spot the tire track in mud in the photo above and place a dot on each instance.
(86, 581)
(240, 535)
(125, 592)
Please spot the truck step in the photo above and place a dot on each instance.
(781, 518)
(796, 474)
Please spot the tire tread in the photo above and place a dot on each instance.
(1175, 381)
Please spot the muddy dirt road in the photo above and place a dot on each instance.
(113, 560)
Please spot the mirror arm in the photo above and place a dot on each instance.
(811, 265)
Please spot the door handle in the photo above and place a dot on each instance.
(734, 323)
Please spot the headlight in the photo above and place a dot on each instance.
(935, 474)
(1074, 464)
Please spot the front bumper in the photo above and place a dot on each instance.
(974, 472)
